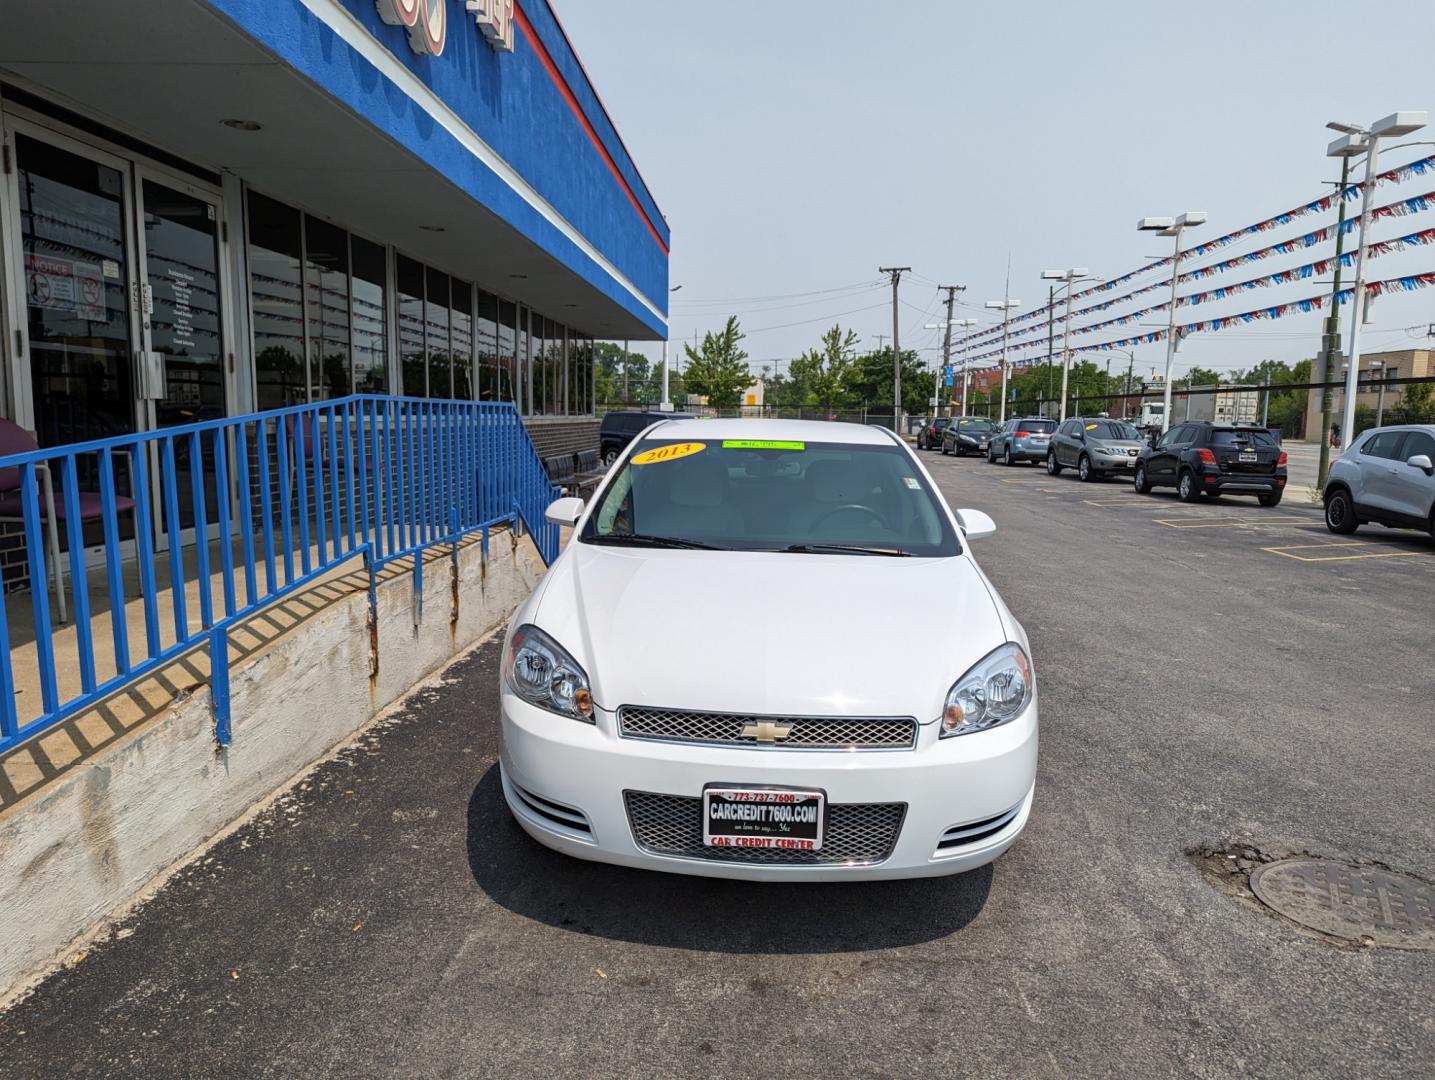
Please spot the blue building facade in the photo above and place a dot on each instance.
(215, 206)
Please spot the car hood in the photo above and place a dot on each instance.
(761, 632)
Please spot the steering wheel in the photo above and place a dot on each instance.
(849, 508)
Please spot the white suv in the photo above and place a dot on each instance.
(1387, 476)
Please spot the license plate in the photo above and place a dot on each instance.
(981, 446)
(759, 817)
(1249, 455)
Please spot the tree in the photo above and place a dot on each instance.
(617, 370)
(1199, 376)
(718, 371)
(869, 380)
(819, 374)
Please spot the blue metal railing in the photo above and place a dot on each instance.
(254, 506)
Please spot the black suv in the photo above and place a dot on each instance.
(1202, 458)
(618, 429)
(929, 435)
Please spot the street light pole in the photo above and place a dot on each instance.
(1164, 226)
(1070, 278)
(1396, 124)
(1005, 306)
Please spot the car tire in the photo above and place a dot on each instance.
(1084, 470)
(1007, 459)
(1270, 498)
(1186, 489)
(1141, 482)
(991, 455)
(1053, 467)
(1340, 512)
(610, 455)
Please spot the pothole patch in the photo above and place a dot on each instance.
(1349, 903)
(1364, 904)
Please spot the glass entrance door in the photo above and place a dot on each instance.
(180, 262)
(74, 229)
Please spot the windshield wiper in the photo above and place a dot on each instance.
(644, 540)
(844, 549)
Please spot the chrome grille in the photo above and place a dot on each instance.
(856, 833)
(808, 732)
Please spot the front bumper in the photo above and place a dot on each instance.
(1107, 463)
(565, 783)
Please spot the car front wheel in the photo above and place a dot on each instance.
(1340, 512)
(1083, 468)
(610, 455)
(1141, 481)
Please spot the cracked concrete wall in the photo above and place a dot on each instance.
(87, 845)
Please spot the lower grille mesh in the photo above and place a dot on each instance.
(856, 833)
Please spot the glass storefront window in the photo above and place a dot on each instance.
(508, 384)
(436, 330)
(326, 302)
(275, 258)
(485, 333)
(369, 317)
(460, 328)
(410, 281)
(522, 358)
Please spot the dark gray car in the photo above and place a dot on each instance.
(1023, 439)
(1094, 447)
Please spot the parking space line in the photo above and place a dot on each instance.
(1285, 550)
(1178, 523)
(1113, 502)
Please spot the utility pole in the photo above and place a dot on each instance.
(1328, 357)
(1126, 401)
(952, 291)
(896, 273)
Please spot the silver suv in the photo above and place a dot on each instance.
(1094, 447)
(1387, 476)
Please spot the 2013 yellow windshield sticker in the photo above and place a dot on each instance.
(762, 444)
(669, 453)
(1090, 427)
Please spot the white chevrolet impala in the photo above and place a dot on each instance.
(768, 653)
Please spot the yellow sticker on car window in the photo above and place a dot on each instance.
(762, 444)
(1090, 427)
(669, 453)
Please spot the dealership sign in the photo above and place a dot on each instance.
(427, 22)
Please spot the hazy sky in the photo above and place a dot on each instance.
(795, 146)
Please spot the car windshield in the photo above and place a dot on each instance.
(1245, 439)
(1112, 429)
(1036, 425)
(772, 495)
(974, 427)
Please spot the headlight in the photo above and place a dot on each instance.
(995, 690)
(541, 672)
(966, 438)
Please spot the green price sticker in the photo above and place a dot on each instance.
(761, 444)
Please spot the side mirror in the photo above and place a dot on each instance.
(564, 511)
(976, 525)
(1422, 461)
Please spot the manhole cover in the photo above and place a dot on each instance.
(1353, 902)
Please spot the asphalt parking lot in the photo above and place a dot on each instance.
(1213, 675)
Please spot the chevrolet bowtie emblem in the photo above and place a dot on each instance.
(766, 731)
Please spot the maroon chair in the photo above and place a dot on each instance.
(16, 440)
